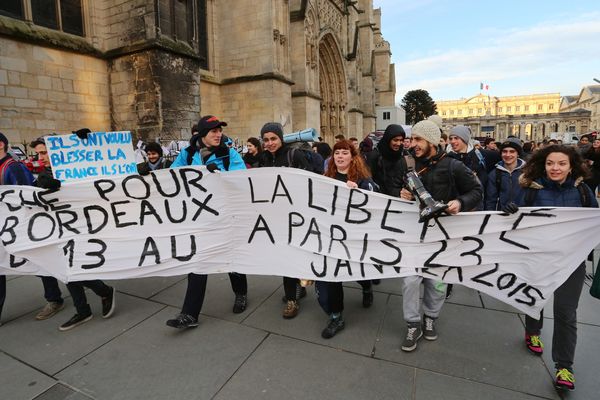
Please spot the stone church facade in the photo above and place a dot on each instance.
(153, 66)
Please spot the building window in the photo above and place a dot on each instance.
(470, 111)
(499, 110)
(527, 108)
(451, 112)
(62, 15)
(459, 112)
(550, 106)
(479, 110)
(540, 107)
(177, 19)
(508, 109)
(517, 108)
(202, 34)
(12, 8)
(386, 115)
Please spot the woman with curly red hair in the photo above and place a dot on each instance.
(348, 166)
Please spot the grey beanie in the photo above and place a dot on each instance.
(428, 130)
(274, 127)
(462, 132)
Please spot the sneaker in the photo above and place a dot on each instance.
(75, 321)
(108, 304)
(413, 334)
(429, 331)
(300, 293)
(367, 298)
(334, 326)
(564, 379)
(241, 301)
(183, 321)
(291, 309)
(49, 310)
(534, 344)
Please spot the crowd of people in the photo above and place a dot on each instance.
(454, 169)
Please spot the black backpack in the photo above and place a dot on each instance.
(314, 165)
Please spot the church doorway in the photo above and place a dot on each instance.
(332, 85)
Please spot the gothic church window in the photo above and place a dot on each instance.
(62, 15)
(12, 8)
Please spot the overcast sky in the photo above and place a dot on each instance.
(448, 47)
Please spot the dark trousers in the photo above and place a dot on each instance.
(289, 287)
(566, 301)
(331, 295)
(51, 290)
(77, 290)
(196, 290)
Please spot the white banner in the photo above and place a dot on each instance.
(280, 221)
(101, 154)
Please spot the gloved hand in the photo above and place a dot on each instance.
(212, 168)
(48, 182)
(510, 208)
(82, 133)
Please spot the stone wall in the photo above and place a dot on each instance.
(44, 90)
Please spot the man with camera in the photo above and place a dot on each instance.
(446, 180)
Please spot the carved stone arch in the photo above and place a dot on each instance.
(311, 36)
(333, 90)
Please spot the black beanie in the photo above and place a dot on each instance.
(274, 127)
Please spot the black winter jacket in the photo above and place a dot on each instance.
(448, 179)
(388, 173)
(282, 159)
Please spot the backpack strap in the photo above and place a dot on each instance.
(190, 155)
(4, 167)
(585, 198)
(290, 156)
(480, 157)
(409, 162)
(498, 182)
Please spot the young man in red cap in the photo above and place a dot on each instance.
(207, 147)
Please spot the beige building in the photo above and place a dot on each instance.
(153, 66)
(588, 99)
(530, 117)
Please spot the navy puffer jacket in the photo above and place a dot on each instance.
(552, 194)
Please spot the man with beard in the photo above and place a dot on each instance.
(447, 180)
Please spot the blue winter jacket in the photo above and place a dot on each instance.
(552, 194)
(510, 190)
(235, 160)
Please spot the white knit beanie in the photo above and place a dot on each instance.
(436, 119)
(427, 130)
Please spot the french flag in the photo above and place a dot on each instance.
(483, 86)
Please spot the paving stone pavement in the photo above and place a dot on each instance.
(258, 355)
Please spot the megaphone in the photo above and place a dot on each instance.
(306, 135)
(431, 208)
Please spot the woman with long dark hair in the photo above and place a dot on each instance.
(252, 157)
(346, 165)
(553, 177)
